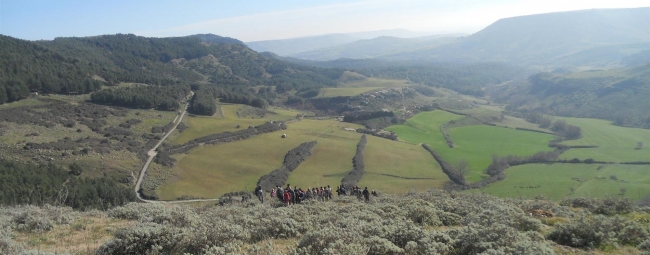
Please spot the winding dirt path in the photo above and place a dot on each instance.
(152, 154)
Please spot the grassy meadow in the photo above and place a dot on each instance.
(359, 87)
(384, 157)
(226, 121)
(615, 143)
(475, 144)
(558, 181)
(214, 170)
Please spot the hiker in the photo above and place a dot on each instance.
(296, 195)
(329, 192)
(366, 194)
(280, 193)
(271, 193)
(259, 192)
(290, 191)
(287, 198)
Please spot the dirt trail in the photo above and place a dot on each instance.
(152, 154)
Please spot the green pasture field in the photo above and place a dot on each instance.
(556, 181)
(424, 127)
(344, 92)
(383, 156)
(475, 144)
(360, 87)
(214, 170)
(31, 101)
(331, 158)
(201, 126)
(616, 144)
(376, 83)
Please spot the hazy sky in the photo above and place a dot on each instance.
(249, 20)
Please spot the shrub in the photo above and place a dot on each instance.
(591, 232)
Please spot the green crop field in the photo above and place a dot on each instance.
(475, 144)
(202, 126)
(214, 170)
(615, 144)
(557, 181)
(384, 157)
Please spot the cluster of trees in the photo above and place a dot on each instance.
(361, 116)
(202, 103)
(49, 184)
(292, 160)
(164, 98)
(358, 165)
(559, 126)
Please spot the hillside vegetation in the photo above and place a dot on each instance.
(619, 95)
(435, 222)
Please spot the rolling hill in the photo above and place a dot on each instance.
(290, 46)
(556, 39)
(619, 95)
(83, 64)
(376, 47)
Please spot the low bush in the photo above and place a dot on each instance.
(593, 232)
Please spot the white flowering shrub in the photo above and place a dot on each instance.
(591, 232)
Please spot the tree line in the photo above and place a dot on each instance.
(165, 98)
(50, 184)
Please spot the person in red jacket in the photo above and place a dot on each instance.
(287, 198)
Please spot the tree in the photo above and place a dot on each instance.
(639, 145)
(75, 169)
(462, 167)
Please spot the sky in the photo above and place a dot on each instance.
(249, 20)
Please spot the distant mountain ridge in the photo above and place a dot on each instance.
(286, 47)
(376, 47)
(549, 39)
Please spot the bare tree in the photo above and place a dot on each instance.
(462, 167)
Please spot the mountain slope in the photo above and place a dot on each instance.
(620, 95)
(77, 64)
(286, 47)
(547, 38)
(371, 48)
(26, 66)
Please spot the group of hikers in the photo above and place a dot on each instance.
(289, 196)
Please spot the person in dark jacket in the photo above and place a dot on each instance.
(259, 192)
(366, 194)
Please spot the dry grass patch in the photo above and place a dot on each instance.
(84, 236)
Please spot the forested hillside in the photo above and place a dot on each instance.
(83, 64)
(465, 79)
(49, 184)
(27, 66)
(619, 95)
